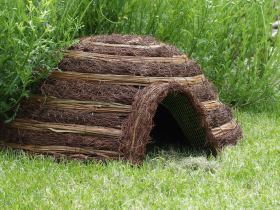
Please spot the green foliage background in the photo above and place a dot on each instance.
(230, 39)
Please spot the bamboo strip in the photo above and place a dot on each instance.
(63, 149)
(125, 79)
(223, 129)
(65, 128)
(86, 42)
(104, 57)
(95, 106)
(211, 105)
(90, 130)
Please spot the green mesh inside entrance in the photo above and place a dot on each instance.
(186, 117)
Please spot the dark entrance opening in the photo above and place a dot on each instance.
(166, 132)
(177, 126)
(164, 114)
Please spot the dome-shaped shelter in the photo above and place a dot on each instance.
(114, 95)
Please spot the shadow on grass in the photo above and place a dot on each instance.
(181, 155)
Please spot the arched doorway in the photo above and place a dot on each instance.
(185, 108)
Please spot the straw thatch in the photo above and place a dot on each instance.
(144, 46)
(116, 94)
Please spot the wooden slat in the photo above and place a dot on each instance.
(94, 130)
(211, 105)
(139, 59)
(53, 149)
(223, 129)
(87, 42)
(64, 128)
(94, 106)
(125, 79)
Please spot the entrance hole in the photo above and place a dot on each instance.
(176, 125)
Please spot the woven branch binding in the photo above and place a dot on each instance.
(101, 78)
(125, 79)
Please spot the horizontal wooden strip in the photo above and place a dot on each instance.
(63, 149)
(87, 42)
(125, 79)
(94, 130)
(223, 129)
(134, 59)
(94, 106)
(211, 105)
(64, 128)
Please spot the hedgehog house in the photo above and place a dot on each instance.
(116, 94)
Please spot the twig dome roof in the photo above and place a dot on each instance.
(102, 103)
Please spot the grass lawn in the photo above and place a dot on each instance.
(246, 177)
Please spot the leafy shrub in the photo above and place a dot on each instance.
(230, 39)
(32, 35)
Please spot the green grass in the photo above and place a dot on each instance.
(246, 177)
